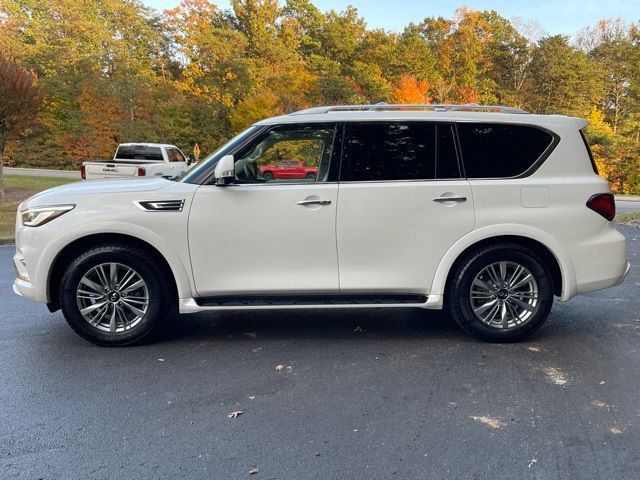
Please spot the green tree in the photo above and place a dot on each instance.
(563, 79)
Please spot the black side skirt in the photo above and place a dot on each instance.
(309, 299)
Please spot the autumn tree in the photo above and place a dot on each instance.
(411, 90)
(19, 103)
(115, 70)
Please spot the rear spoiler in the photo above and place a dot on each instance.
(580, 122)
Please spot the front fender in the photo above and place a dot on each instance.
(177, 262)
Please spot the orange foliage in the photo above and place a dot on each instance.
(466, 94)
(410, 90)
(100, 132)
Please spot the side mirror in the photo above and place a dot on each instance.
(225, 173)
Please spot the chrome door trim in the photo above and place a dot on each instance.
(314, 202)
(450, 199)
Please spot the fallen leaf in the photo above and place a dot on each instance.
(490, 422)
(615, 430)
(359, 329)
(235, 414)
(279, 367)
(599, 404)
(533, 460)
(161, 359)
(534, 349)
(555, 376)
(253, 471)
(317, 454)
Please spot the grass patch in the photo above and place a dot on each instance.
(632, 218)
(28, 182)
(19, 188)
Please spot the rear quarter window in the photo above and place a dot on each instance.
(501, 150)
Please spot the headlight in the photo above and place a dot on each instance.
(36, 216)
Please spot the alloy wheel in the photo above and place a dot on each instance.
(112, 297)
(504, 295)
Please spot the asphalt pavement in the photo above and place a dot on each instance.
(346, 394)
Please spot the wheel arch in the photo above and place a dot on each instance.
(554, 256)
(80, 244)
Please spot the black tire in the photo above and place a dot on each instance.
(267, 176)
(458, 295)
(310, 176)
(162, 303)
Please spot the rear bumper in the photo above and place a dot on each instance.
(599, 262)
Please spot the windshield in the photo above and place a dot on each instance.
(197, 173)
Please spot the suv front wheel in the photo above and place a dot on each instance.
(116, 295)
(500, 293)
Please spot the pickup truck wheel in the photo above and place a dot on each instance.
(310, 176)
(500, 293)
(116, 295)
(267, 176)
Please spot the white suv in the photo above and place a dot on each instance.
(488, 211)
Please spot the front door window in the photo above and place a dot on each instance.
(296, 153)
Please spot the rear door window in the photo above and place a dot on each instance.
(501, 150)
(388, 151)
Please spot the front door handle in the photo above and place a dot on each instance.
(450, 199)
(314, 202)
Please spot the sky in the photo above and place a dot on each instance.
(554, 16)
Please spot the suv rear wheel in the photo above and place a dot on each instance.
(500, 293)
(116, 295)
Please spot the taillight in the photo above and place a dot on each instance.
(141, 172)
(83, 172)
(604, 204)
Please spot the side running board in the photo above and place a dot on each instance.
(306, 299)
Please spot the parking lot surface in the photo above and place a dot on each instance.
(345, 394)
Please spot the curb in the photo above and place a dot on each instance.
(7, 241)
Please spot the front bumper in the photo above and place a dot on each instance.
(23, 285)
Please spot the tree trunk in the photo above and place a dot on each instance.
(2, 144)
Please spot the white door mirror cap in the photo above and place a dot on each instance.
(225, 172)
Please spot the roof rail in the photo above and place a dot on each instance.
(400, 107)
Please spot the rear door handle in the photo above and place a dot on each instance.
(314, 202)
(450, 199)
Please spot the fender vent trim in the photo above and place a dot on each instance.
(161, 205)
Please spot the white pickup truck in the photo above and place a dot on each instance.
(138, 160)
